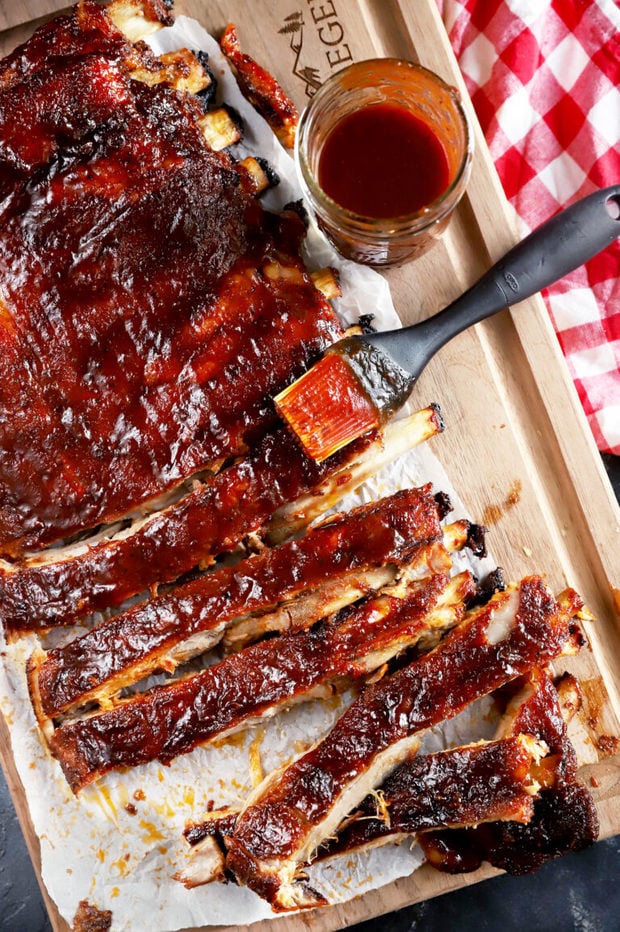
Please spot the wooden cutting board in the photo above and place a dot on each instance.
(517, 445)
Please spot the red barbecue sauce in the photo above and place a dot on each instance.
(382, 161)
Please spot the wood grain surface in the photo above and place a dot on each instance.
(517, 445)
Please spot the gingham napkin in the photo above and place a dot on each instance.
(544, 78)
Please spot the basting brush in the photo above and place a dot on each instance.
(362, 380)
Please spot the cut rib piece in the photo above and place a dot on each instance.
(297, 582)
(261, 89)
(60, 587)
(476, 783)
(564, 817)
(292, 813)
(468, 785)
(258, 682)
(433, 792)
(150, 308)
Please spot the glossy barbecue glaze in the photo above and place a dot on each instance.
(134, 643)
(468, 785)
(210, 520)
(138, 283)
(261, 89)
(173, 719)
(294, 810)
(564, 817)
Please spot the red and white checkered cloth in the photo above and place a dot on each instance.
(544, 78)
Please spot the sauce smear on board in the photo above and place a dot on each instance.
(382, 161)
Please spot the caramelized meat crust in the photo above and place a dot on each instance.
(564, 817)
(135, 642)
(261, 89)
(296, 811)
(172, 719)
(468, 785)
(150, 308)
(210, 520)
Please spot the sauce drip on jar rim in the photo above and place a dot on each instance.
(382, 161)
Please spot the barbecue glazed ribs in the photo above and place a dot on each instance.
(276, 490)
(292, 813)
(513, 801)
(149, 307)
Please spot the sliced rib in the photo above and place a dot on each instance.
(564, 817)
(292, 813)
(462, 786)
(433, 792)
(258, 682)
(261, 89)
(291, 585)
(58, 587)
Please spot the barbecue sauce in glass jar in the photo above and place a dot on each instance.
(383, 161)
(383, 154)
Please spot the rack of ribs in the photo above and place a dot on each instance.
(150, 308)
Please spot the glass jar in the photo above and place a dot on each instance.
(428, 98)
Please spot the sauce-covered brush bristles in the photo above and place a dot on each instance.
(363, 379)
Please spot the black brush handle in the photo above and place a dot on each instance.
(555, 248)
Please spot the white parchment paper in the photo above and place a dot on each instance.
(120, 842)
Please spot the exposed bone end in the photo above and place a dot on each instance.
(396, 439)
(277, 271)
(219, 129)
(257, 175)
(297, 895)
(326, 281)
(502, 619)
(179, 69)
(137, 19)
(205, 864)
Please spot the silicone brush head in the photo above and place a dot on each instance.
(327, 408)
(354, 388)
